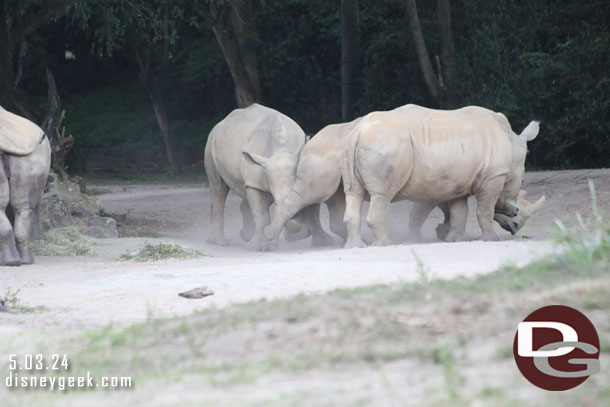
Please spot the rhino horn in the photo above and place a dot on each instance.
(529, 208)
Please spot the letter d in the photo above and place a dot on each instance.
(525, 338)
(9, 380)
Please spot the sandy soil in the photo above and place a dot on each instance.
(85, 292)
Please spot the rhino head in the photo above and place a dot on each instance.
(526, 210)
(281, 167)
(510, 193)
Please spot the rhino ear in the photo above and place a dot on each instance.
(256, 159)
(530, 132)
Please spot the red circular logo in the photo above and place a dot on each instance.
(556, 348)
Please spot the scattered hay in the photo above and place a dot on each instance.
(65, 242)
(161, 251)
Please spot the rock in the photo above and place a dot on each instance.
(197, 293)
(63, 204)
(100, 227)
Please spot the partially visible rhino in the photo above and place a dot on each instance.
(254, 152)
(318, 179)
(25, 159)
(431, 157)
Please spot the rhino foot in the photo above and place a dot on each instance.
(10, 259)
(246, 233)
(442, 230)
(350, 244)
(321, 238)
(490, 237)
(456, 236)
(259, 243)
(217, 240)
(384, 241)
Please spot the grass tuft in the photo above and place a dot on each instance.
(65, 242)
(161, 251)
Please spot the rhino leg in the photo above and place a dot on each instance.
(351, 218)
(336, 210)
(487, 195)
(259, 203)
(36, 230)
(319, 237)
(418, 215)
(377, 219)
(247, 229)
(442, 229)
(458, 214)
(9, 256)
(219, 191)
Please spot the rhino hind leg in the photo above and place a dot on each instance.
(36, 229)
(442, 229)
(319, 237)
(377, 219)
(353, 208)
(247, 230)
(9, 256)
(418, 215)
(336, 211)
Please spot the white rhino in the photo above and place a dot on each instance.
(25, 159)
(254, 152)
(319, 180)
(431, 157)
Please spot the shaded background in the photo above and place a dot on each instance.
(547, 60)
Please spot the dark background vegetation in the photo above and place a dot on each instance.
(543, 59)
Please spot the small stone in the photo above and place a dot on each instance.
(197, 293)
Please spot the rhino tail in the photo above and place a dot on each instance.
(531, 131)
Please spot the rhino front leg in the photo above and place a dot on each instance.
(219, 191)
(247, 230)
(260, 211)
(487, 196)
(458, 214)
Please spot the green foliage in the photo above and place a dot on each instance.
(588, 244)
(527, 59)
(14, 303)
(161, 251)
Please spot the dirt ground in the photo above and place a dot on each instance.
(84, 292)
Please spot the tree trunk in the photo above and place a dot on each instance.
(238, 49)
(6, 60)
(447, 52)
(349, 59)
(422, 51)
(151, 83)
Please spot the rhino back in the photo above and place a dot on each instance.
(455, 151)
(319, 167)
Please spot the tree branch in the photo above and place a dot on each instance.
(422, 53)
(32, 23)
